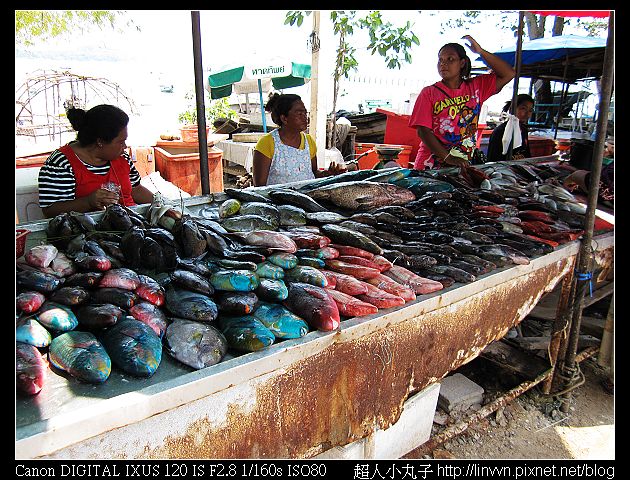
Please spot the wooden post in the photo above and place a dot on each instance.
(312, 125)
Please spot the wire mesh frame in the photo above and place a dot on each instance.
(51, 121)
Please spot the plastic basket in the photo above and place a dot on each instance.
(20, 241)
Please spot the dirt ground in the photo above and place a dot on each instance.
(532, 426)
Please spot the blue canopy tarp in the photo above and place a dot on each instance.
(563, 57)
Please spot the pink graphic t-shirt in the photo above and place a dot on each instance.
(453, 115)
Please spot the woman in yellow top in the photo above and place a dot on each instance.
(287, 154)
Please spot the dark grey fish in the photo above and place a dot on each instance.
(358, 227)
(98, 315)
(246, 195)
(70, 296)
(237, 303)
(345, 236)
(190, 305)
(116, 296)
(292, 216)
(195, 344)
(191, 281)
(260, 208)
(457, 273)
(292, 197)
(249, 223)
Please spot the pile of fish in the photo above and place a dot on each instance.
(259, 266)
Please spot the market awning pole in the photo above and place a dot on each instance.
(517, 67)
(563, 95)
(583, 273)
(262, 107)
(201, 108)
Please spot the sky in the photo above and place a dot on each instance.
(161, 52)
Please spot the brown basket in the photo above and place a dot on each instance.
(20, 241)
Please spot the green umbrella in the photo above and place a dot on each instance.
(249, 78)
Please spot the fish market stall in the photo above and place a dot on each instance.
(346, 388)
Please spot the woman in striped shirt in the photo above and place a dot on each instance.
(93, 171)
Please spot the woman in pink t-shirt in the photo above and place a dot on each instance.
(446, 113)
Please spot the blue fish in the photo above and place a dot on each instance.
(267, 269)
(283, 259)
(272, 290)
(281, 321)
(133, 347)
(246, 333)
(56, 316)
(30, 331)
(235, 280)
(81, 355)
(306, 274)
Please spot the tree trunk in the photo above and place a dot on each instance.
(542, 88)
(337, 76)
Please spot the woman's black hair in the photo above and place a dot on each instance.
(521, 98)
(461, 52)
(280, 104)
(102, 122)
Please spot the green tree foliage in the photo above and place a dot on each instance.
(33, 26)
(391, 42)
(219, 108)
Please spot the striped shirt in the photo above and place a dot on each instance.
(56, 178)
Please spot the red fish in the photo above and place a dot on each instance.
(29, 302)
(380, 298)
(268, 238)
(120, 278)
(151, 315)
(535, 227)
(488, 208)
(308, 239)
(562, 237)
(92, 262)
(350, 250)
(41, 255)
(391, 286)
(350, 306)
(535, 215)
(30, 368)
(357, 271)
(382, 263)
(330, 279)
(314, 305)
(418, 284)
(544, 240)
(345, 283)
(150, 290)
(358, 261)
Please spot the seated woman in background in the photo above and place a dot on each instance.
(287, 154)
(524, 110)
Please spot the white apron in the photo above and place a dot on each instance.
(289, 164)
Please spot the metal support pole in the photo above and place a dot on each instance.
(262, 106)
(517, 67)
(584, 260)
(201, 108)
